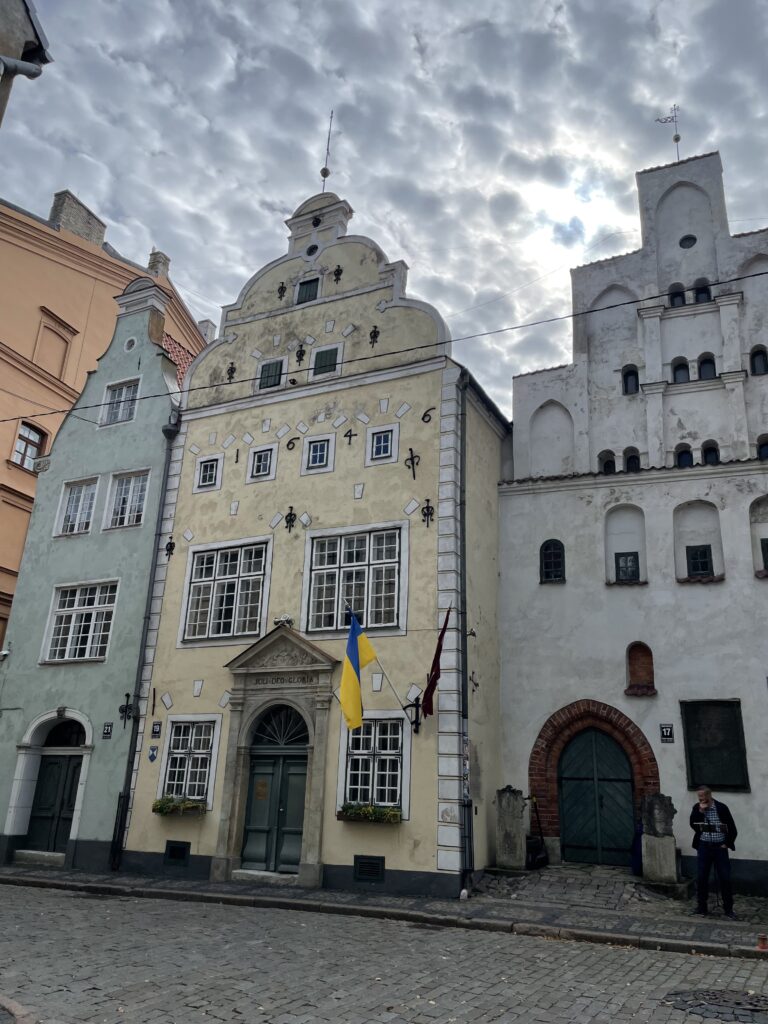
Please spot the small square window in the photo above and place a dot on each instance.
(627, 566)
(764, 551)
(381, 444)
(308, 290)
(208, 472)
(262, 463)
(699, 560)
(271, 374)
(326, 361)
(317, 454)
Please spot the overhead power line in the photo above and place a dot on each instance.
(412, 348)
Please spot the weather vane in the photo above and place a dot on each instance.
(672, 119)
(325, 170)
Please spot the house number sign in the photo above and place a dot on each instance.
(667, 733)
(106, 732)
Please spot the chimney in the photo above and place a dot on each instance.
(159, 264)
(207, 329)
(69, 213)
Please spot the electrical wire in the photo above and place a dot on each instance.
(412, 348)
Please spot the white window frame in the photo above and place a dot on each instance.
(240, 638)
(405, 777)
(219, 459)
(136, 379)
(112, 491)
(394, 455)
(341, 531)
(313, 276)
(272, 465)
(329, 466)
(283, 375)
(339, 346)
(61, 511)
(53, 610)
(170, 721)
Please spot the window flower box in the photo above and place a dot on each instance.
(178, 805)
(370, 813)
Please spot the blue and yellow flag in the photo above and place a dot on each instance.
(359, 654)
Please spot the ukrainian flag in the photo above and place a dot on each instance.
(359, 654)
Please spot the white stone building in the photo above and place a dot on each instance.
(634, 538)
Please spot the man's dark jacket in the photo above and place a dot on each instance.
(726, 819)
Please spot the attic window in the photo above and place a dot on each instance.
(688, 241)
(308, 290)
(311, 250)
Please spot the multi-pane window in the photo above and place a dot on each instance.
(699, 559)
(381, 444)
(375, 763)
(326, 361)
(317, 453)
(627, 566)
(82, 619)
(189, 760)
(225, 592)
(271, 374)
(261, 463)
(79, 499)
(308, 290)
(128, 498)
(764, 551)
(28, 446)
(121, 402)
(360, 571)
(207, 472)
(552, 562)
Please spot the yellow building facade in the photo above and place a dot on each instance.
(322, 466)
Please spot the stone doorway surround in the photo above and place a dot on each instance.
(282, 667)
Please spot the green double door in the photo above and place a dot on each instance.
(53, 806)
(275, 811)
(596, 800)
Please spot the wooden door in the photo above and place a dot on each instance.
(53, 806)
(275, 813)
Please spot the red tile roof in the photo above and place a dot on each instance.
(181, 356)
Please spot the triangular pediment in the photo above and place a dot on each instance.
(281, 650)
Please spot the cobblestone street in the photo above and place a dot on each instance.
(67, 957)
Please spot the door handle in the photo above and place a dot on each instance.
(281, 809)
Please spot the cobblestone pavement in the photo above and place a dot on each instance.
(71, 958)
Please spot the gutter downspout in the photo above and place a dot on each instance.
(468, 845)
(170, 431)
(10, 67)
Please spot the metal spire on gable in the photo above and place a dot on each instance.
(672, 119)
(325, 170)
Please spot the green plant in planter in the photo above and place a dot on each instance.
(178, 805)
(369, 812)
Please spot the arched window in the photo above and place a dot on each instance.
(710, 453)
(680, 372)
(698, 544)
(676, 295)
(707, 368)
(640, 678)
(701, 290)
(606, 462)
(30, 445)
(762, 447)
(758, 525)
(552, 562)
(630, 380)
(66, 733)
(625, 560)
(631, 460)
(683, 457)
(758, 361)
(551, 441)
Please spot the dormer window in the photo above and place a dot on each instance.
(676, 295)
(702, 291)
(308, 290)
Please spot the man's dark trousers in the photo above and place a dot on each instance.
(709, 854)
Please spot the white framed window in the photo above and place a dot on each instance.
(272, 374)
(375, 762)
(81, 621)
(128, 496)
(326, 361)
(208, 473)
(226, 592)
(262, 463)
(188, 767)
(120, 402)
(382, 444)
(361, 571)
(76, 509)
(319, 454)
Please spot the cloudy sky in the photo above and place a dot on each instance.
(490, 144)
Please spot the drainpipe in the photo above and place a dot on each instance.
(468, 846)
(10, 67)
(170, 430)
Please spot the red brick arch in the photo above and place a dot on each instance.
(562, 727)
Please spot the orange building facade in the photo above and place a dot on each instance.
(58, 279)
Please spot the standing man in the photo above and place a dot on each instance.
(714, 835)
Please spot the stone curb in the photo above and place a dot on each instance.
(417, 917)
(20, 1015)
